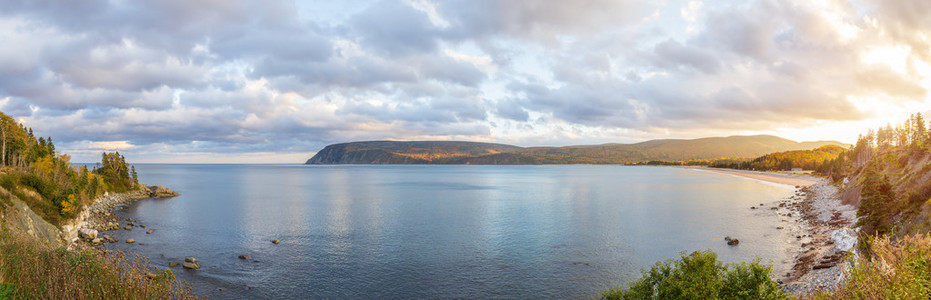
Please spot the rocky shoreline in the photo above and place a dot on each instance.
(826, 237)
(822, 227)
(98, 217)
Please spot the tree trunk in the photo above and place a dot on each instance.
(4, 145)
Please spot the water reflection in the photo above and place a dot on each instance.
(444, 231)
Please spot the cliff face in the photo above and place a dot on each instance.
(21, 217)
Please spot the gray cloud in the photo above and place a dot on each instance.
(271, 76)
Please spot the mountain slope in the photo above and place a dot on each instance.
(441, 152)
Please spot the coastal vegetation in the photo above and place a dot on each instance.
(31, 270)
(895, 269)
(696, 151)
(700, 275)
(33, 172)
(887, 174)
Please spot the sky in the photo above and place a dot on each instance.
(214, 81)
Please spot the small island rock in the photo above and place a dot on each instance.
(130, 241)
(275, 242)
(173, 264)
(244, 256)
(191, 263)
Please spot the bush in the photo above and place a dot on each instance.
(701, 276)
(895, 269)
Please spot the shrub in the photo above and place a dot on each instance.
(701, 276)
(895, 269)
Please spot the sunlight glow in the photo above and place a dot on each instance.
(895, 57)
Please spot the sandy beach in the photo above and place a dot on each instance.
(780, 178)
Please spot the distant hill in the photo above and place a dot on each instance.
(451, 152)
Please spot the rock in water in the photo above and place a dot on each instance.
(87, 234)
(275, 242)
(173, 264)
(191, 263)
(149, 232)
(244, 257)
(130, 241)
(731, 241)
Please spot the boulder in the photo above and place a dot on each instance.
(143, 225)
(275, 242)
(731, 241)
(844, 238)
(173, 264)
(130, 241)
(87, 234)
(244, 256)
(191, 263)
(149, 232)
(151, 275)
(97, 241)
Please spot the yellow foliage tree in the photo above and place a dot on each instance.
(70, 206)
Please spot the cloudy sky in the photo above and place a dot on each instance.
(275, 81)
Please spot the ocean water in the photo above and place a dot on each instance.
(416, 232)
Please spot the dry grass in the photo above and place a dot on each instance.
(896, 269)
(29, 270)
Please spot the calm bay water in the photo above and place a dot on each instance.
(415, 232)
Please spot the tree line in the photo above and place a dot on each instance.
(31, 164)
(888, 164)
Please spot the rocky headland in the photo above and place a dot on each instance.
(98, 217)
